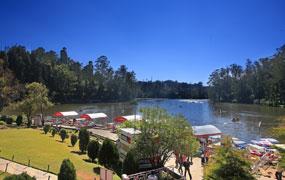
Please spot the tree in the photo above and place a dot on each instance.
(261, 82)
(22, 176)
(93, 149)
(84, 138)
(73, 139)
(53, 132)
(108, 155)
(63, 134)
(35, 98)
(228, 163)
(162, 134)
(67, 170)
(19, 120)
(46, 128)
(63, 56)
(130, 164)
(9, 87)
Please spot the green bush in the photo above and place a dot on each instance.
(19, 120)
(93, 149)
(130, 164)
(46, 128)
(228, 163)
(22, 176)
(2, 123)
(73, 139)
(84, 138)
(3, 118)
(108, 155)
(63, 134)
(67, 171)
(53, 132)
(9, 120)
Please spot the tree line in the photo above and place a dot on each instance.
(172, 89)
(70, 81)
(259, 82)
(66, 79)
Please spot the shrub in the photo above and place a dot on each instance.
(228, 163)
(93, 149)
(67, 170)
(9, 120)
(84, 138)
(53, 132)
(108, 155)
(130, 164)
(2, 123)
(46, 128)
(73, 139)
(22, 176)
(63, 134)
(19, 120)
(3, 118)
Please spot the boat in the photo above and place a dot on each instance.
(261, 143)
(240, 144)
(271, 140)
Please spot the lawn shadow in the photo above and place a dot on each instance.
(87, 160)
(77, 152)
(70, 146)
(59, 141)
(96, 170)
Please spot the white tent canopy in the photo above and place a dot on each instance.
(133, 117)
(94, 115)
(206, 130)
(66, 114)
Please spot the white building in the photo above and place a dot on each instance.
(126, 137)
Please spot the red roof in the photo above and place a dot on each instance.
(57, 114)
(120, 119)
(85, 116)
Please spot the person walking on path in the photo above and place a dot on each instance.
(187, 165)
(180, 164)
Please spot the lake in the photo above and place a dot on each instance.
(197, 112)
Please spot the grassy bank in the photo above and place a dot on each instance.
(43, 150)
(3, 175)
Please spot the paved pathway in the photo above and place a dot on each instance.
(196, 169)
(15, 168)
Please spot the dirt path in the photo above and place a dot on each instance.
(15, 168)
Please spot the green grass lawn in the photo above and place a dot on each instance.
(3, 175)
(43, 150)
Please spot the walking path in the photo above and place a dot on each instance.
(196, 169)
(16, 168)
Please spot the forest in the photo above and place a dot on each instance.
(68, 80)
(172, 89)
(258, 82)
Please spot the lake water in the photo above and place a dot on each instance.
(197, 112)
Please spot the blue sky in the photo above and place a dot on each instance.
(158, 39)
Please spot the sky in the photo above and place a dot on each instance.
(181, 40)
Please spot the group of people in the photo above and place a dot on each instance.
(183, 161)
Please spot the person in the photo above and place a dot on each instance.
(152, 176)
(206, 156)
(180, 163)
(187, 165)
(202, 158)
(278, 175)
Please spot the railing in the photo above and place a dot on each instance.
(144, 175)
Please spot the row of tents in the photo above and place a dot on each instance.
(94, 116)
